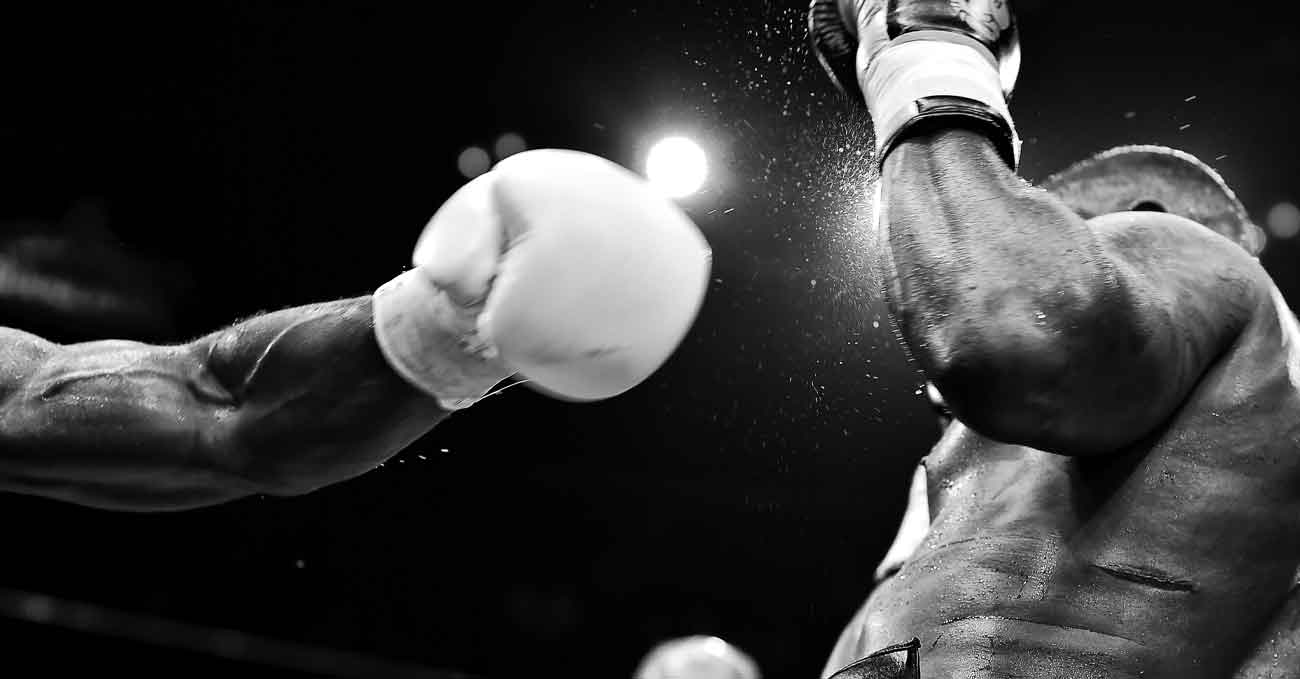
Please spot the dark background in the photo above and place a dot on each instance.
(276, 154)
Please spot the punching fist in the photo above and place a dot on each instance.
(911, 61)
(557, 265)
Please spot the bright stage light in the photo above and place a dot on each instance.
(676, 166)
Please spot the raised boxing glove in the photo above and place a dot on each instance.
(916, 61)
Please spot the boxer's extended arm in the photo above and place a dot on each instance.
(281, 403)
(1041, 328)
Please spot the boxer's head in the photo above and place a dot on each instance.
(1155, 178)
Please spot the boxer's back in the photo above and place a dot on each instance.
(1170, 559)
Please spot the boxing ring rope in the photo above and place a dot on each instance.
(223, 643)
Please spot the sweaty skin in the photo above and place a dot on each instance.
(282, 404)
(1119, 495)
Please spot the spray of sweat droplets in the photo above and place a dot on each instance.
(791, 224)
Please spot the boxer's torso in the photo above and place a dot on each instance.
(1176, 558)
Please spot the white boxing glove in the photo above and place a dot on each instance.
(557, 265)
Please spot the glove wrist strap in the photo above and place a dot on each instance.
(431, 341)
(923, 77)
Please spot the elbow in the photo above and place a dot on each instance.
(1020, 373)
(998, 390)
(1040, 395)
(1019, 390)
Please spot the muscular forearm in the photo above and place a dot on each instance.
(975, 254)
(315, 402)
(281, 403)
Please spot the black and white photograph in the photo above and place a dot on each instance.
(641, 339)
